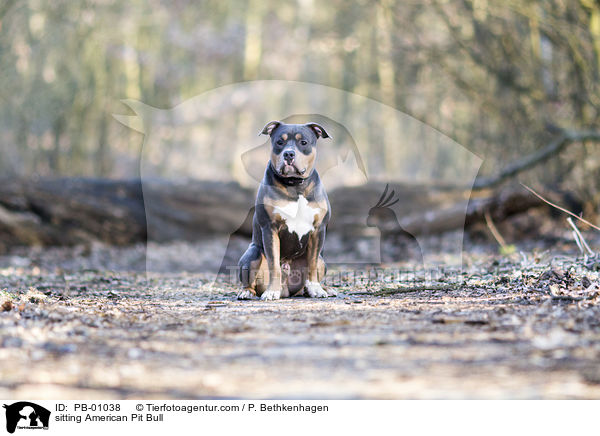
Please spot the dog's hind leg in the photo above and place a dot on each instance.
(254, 275)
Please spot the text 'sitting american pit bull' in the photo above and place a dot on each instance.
(291, 214)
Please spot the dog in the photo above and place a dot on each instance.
(290, 219)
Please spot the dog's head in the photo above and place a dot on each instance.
(293, 147)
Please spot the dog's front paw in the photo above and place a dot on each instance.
(315, 290)
(270, 294)
(246, 294)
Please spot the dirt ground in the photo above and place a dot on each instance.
(517, 326)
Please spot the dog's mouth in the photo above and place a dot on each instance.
(291, 170)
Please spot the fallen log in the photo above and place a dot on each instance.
(120, 212)
(70, 211)
(422, 211)
(79, 210)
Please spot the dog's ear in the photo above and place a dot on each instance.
(268, 129)
(318, 129)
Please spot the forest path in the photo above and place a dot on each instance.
(517, 332)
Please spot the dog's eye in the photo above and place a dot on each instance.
(303, 142)
(280, 142)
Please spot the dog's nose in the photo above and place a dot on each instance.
(289, 156)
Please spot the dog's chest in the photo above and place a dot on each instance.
(298, 216)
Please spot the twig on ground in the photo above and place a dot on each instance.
(580, 241)
(560, 208)
(495, 233)
(504, 248)
(566, 298)
(408, 289)
(591, 260)
(405, 290)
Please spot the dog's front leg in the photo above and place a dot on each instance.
(271, 247)
(313, 249)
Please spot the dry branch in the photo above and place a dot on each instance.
(580, 240)
(409, 289)
(560, 208)
(559, 144)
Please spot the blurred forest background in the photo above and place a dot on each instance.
(444, 291)
(501, 78)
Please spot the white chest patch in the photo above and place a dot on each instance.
(299, 216)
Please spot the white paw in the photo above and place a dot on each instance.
(314, 290)
(245, 294)
(331, 292)
(270, 294)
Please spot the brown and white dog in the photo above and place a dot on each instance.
(290, 219)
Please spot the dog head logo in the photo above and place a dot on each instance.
(26, 415)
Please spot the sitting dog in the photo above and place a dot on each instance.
(290, 218)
